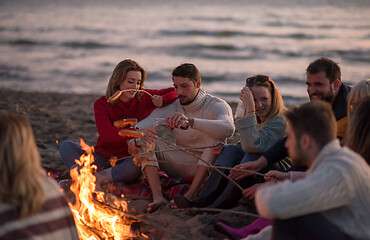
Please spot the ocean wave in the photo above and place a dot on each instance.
(355, 55)
(89, 44)
(310, 25)
(220, 33)
(16, 73)
(231, 33)
(26, 42)
(22, 41)
(84, 44)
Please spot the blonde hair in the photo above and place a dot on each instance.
(277, 103)
(119, 75)
(20, 167)
(358, 92)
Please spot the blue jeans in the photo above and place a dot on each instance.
(125, 171)
(218, 192)
(233, 155)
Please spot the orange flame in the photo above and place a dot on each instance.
(94, 218)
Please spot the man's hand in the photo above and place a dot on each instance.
(217, 148)
(174, 119)
(133, 146)
(254, 166)
(274, 175)
(157, 100)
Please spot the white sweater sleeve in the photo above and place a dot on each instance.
(162, 112)
(221, 127)
(324, 189)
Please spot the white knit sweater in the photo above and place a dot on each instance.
(337, 186)
(213, 122)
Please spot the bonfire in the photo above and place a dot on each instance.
(97, 215)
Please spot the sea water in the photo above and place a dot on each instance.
(74, 45)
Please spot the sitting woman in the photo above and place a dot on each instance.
(357, 137)
(261, 126)
(31, 205)
(138, 104)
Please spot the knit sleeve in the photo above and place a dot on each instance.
(162, 112)
(220, 127)
(254, 140)
(324, 189)
(169, 95)
(107, 132)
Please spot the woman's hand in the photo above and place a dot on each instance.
(274, 176)
(246, 96)
(254, 166)
(251, 191)
(157, 100)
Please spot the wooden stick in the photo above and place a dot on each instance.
(178, 149)
(217, 210)
(192, 154)
(218, 167)
(117, 94)
(165, 150)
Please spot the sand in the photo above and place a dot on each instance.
(57, 117)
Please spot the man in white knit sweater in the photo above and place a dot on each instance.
(210, 122)
(332, 201)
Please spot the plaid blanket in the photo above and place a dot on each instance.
(170, 187)
(141, 189)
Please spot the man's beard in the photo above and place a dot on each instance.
(299, 159)
(329, 97)
(186, 102)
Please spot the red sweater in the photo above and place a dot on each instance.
(109, 143)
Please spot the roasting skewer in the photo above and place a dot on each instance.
(117, 94)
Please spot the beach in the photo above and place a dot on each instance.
(56, 117)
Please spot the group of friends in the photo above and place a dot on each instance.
(313, 159)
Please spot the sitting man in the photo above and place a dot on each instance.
(210, 122)
(331, 201)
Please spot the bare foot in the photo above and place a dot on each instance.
(153, 206)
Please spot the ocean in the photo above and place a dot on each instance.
(72, 46)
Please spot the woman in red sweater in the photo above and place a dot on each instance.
(128, 74)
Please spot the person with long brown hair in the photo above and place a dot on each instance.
(357, 137)
(31, 205)
(134, 101)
